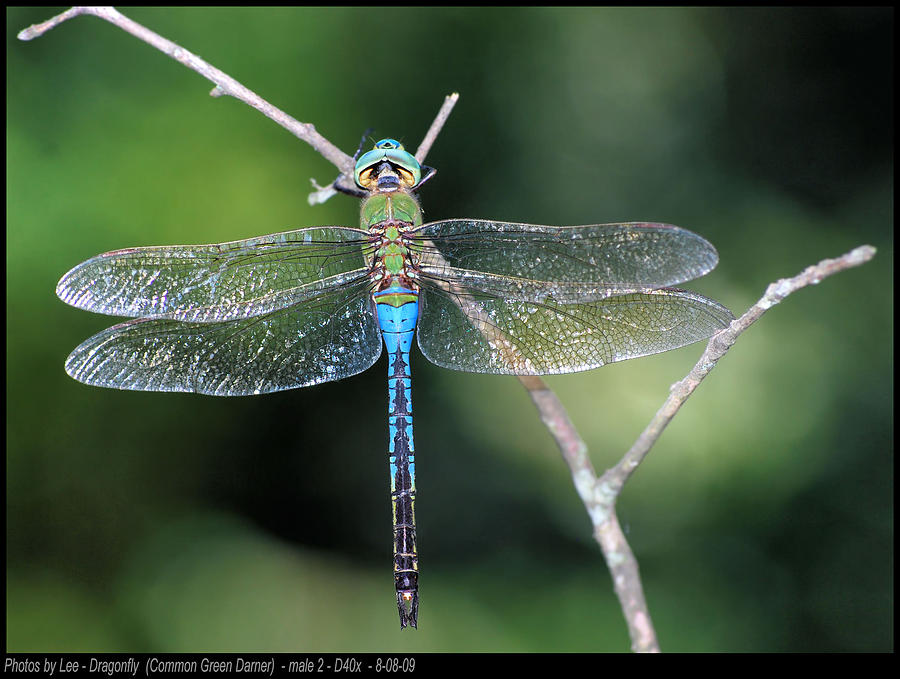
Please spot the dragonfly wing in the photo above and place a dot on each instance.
(211, 283)
(476, 332)
(332, 338)
(516, 287)
(568, 263)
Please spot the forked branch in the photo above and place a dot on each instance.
(599, 494)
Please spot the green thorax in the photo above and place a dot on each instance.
(390, 208)
(389, 215)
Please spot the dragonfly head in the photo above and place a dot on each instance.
(388, 157)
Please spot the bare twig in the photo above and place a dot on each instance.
(435, 129)
(322, 193)
(600, 494)
(224, 84)
(717, 347)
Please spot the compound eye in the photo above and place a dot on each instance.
(364, 178)
(407, 177)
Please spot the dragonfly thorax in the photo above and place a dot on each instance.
(399, 208)
(388, 215)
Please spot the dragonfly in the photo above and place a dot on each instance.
(317, 304)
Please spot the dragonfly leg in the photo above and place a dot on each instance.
(427, 173)
(362, 142)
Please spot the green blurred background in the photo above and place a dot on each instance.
(173, 522)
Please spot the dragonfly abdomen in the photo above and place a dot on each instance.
(398, 311)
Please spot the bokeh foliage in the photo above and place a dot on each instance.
(161, 522)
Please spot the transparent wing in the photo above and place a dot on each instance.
(210, 283)
(566, 264)
(332, 337)
(476, 332)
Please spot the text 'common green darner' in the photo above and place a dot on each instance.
(302, 307)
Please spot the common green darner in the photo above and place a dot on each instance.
(312, 305)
